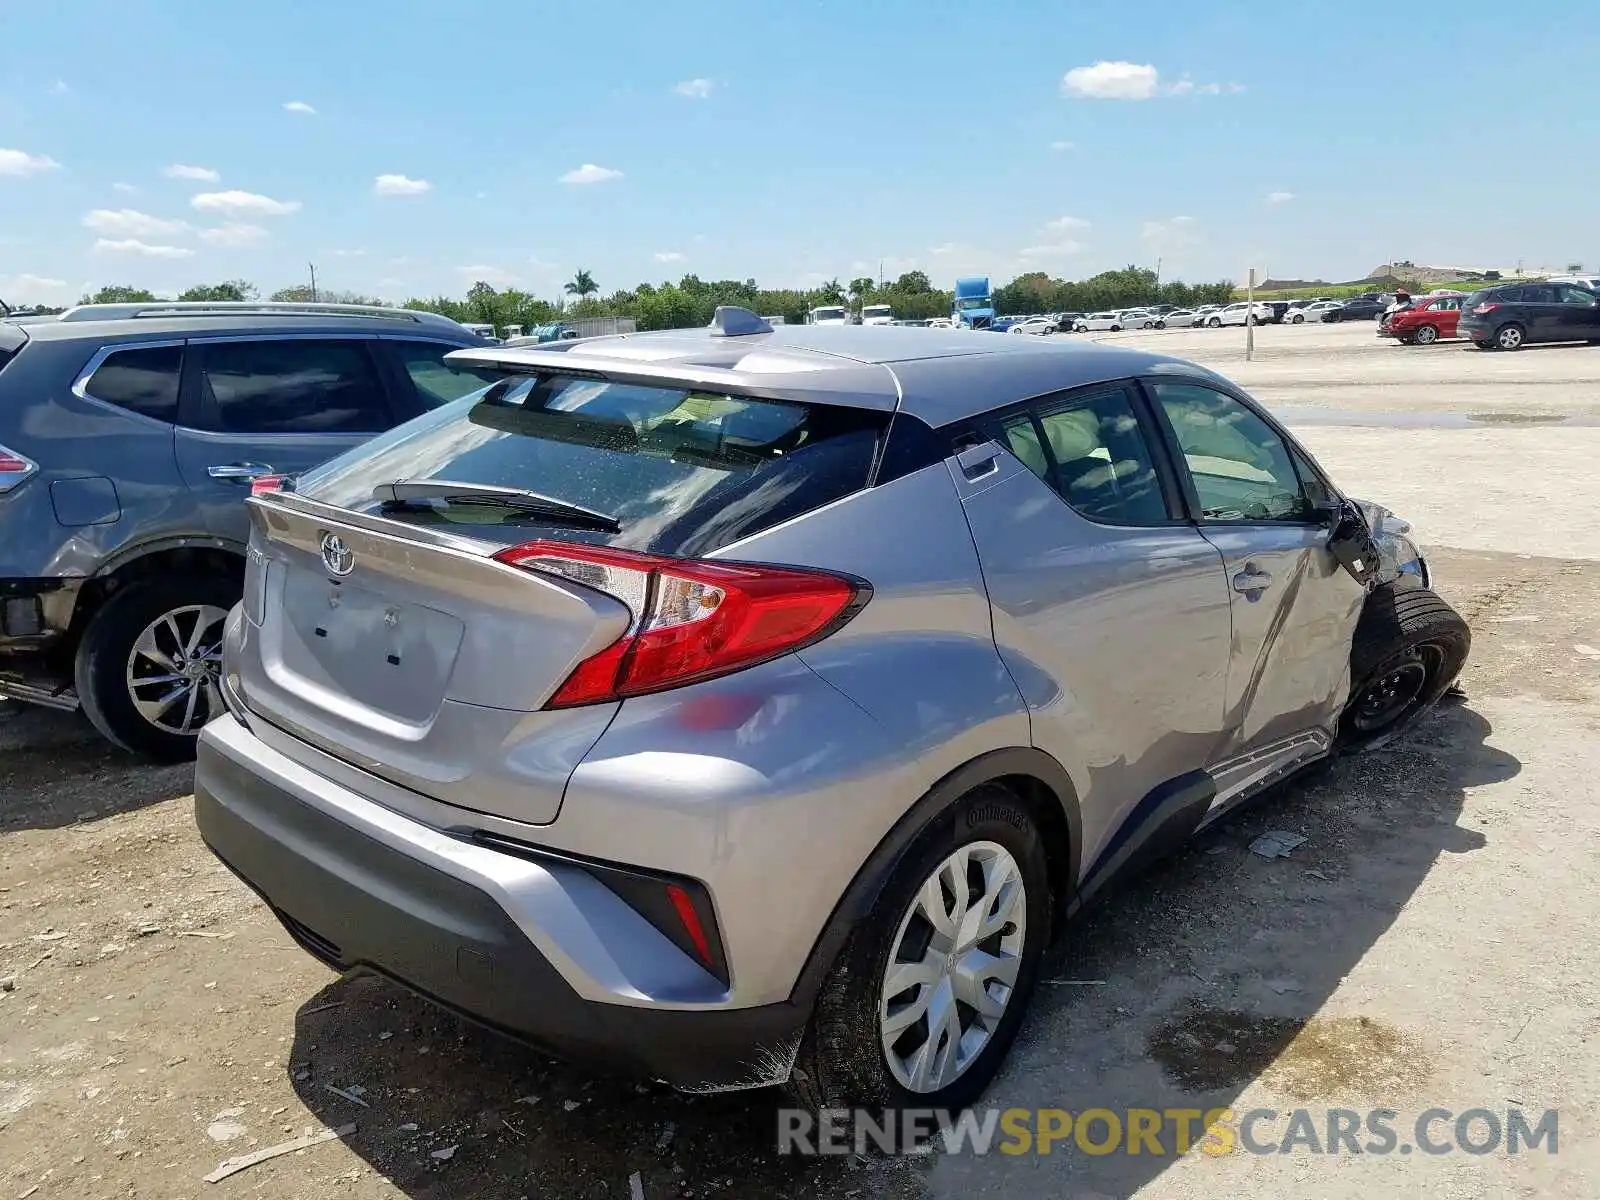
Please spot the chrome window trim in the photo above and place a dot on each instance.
(80, 385)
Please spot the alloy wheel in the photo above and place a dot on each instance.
(1426, 334)
(953, 967)
(175, 667)
(1509, 338)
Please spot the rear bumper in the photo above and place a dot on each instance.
(35, 613)
(543, 953)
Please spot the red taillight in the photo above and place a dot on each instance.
(693, 619)
(684, 907)
(1484, 308)
(13, 469)
(262, 485)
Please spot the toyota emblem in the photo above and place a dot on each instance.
(336, 556)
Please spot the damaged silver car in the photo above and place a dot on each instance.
(747, 705)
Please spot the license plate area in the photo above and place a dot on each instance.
(392, 657)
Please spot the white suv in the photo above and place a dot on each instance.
(1237, 314)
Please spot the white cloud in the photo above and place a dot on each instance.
(26, 288)
(696, 89)
(1111, 81)
(127, 189)
(399, 185)
(238, 203)
(22, 164)
(198, 174)
(301, 107)
(943, 249)
(1061, 146)
(234, 233)
(497, 277)
(1132, 81)
(125, 222)
(1067, 224)
(59, 88)
(356, 253)
(669, 256)
(1279, 197)
(134, 246)
(589, 173)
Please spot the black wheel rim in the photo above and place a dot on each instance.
(1394, 694)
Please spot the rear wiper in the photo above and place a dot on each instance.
(405, 493)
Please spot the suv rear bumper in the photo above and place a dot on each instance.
(542, 953)
(35, 613)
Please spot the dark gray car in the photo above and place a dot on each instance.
(130, 435)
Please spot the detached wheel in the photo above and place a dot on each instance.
(149, 665)
(1509, 337)
(1409, 646)
(927, 996)
(1425, 335)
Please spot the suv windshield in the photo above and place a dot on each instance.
(682, 472)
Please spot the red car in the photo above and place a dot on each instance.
(1428, 320)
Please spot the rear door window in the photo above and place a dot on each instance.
(682, 472)
(436, 381)
(143, 380)
(290, 385)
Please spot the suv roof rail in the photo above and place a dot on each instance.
(245, 308)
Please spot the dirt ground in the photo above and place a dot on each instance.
(1431, 943)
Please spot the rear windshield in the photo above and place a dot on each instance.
(683, 472)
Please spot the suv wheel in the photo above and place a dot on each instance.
(1215, 322)
(1409, 646)
(149, 667)
(1509, 337)
(928, 994)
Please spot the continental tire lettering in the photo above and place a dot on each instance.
(1005, 814)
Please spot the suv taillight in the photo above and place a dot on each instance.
(1484, 308)
(693, 619)
(14, 469)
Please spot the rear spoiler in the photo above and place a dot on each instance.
(12, 338)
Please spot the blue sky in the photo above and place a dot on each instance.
(431, 144)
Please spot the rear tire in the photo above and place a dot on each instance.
(1408, 648)
(152, 640)
(844, 1058)
(1510, 336)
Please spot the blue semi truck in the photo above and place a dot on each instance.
(973, 306)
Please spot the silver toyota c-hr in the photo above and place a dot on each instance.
(743, 706)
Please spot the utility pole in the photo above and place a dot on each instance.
(1250, 317)
(1158, 281)
(313, 267)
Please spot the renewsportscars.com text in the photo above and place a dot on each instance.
(1169, 1132)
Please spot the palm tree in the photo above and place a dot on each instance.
(582, 286)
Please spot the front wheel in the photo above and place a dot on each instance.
(1297, 319)
(1425, 335)
(1161, 324)
(928, 994)
(1215, 323)
(1408, 648)
(148, 670)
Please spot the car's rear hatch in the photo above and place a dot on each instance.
(380, 628)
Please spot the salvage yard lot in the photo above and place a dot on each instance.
(1430, 944)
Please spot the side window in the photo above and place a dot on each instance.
(1241, 468)
(144, 381)
(436, 381)
(287, 385)
(1511, 295)
(1092, 451)
(1577, 296)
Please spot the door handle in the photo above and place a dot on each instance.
(239, 472)
(1251, 579)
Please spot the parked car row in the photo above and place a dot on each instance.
(1506, 317)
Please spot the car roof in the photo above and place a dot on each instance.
(131, 322)
(940, 376)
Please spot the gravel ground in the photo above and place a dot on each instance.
(1430, 944)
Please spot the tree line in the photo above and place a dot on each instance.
(691, 301)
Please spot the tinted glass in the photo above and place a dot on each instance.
(438, 382)
(1094, 454)
(142, 381)
(1509, 295)
(1581, 297)
(682, 472)
(1240, 465)
(291, 386)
